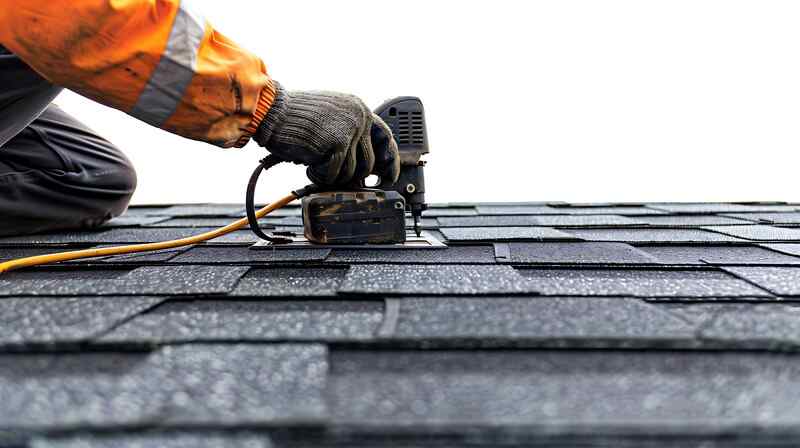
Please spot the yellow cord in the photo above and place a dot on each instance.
(133, 248)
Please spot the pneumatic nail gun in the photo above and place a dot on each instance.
(365, 215)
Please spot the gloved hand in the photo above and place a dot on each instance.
(335, 134)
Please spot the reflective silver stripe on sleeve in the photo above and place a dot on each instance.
(166, 86)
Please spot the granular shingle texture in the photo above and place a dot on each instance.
(576, 253)
(547, 319)
(599, 389)
(768, 218)
(758, 232)
(780, 280)
(461, 234)
(640, 283)
(651, 235)
(231, 320)
(166, 439)
(547, 220)
(151, 280)
(290, 282)
(445, 279)
(540, 324)
(31, 321)
(190, 384)
(719, 255)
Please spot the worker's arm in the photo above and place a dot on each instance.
(158, 60)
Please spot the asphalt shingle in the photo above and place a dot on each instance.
(196, 384)
(514, 210)
(231, 320)
(450, 255)
(208, 222)
(549, 210)
(12, 253)
(436, 212)
(768, 218)
(64, 320)
(649, 283)
(651, 235)
(112, 236)
(577, 253)
(148, 280)
(530, 220)
(718, 255)
(541, 320)
(85, 238)
(472, 234)
(438, 280)
(173, 439)
(231, 255)
(690, 220)
(784, 248)
(784, 281)
(290, 282)
(201, 210)
(701, 208)
(758, 232)
(541, 323)
(599, 389)
(755, 326)
(158, 256)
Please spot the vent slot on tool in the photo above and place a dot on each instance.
(409, 129)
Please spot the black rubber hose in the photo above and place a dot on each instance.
(249, 205)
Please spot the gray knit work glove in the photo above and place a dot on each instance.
(335, 134)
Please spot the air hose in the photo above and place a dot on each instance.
(253, 217)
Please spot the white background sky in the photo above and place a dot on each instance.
(526, 100)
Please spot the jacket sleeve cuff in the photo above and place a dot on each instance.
(265, 100)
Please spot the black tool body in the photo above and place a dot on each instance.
(405, 116)
(355, 217)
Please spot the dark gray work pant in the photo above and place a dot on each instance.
(55, 173)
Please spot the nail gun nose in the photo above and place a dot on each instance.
(417, 228)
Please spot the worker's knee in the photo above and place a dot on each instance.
(57, 174)
(120, 184)
(129, 182)
(43, 201)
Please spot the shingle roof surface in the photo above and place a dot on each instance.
(546, 324)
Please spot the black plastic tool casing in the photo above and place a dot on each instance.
(354, 217)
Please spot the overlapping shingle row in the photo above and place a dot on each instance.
(549, 323)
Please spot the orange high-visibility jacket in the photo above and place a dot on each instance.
(157, 60)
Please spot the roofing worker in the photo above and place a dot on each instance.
(163, 63)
